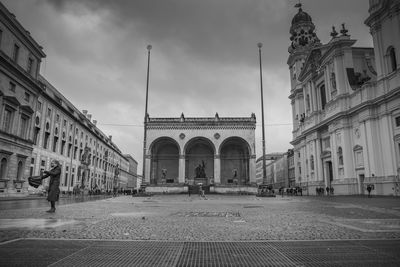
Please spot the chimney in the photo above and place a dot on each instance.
(94, 122)
(110, 137)
(89, 116)
(84, 112)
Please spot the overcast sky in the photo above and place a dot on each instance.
(204, 58)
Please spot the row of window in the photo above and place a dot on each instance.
(4, 169)
(9, 118)
(16, 53)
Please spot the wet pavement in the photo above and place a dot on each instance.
(213, 226)
(35, 202)
(33, 223)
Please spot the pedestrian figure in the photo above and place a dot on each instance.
(53, 192)
(327, 190)
(369, 188)
(201, 192)
(332, 190)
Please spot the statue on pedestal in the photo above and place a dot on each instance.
(200, 170)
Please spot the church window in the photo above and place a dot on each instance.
(397, 120)
(340, 156)
(323, 96)
(312, 162)
(392, 56)
(308, 102)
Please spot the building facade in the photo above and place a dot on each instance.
(346, 105)
(211, 151)
(20, 58)
(89, 158)
(276, 170)
(38, 124)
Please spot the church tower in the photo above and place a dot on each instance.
(303, 38)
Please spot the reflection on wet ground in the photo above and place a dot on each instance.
(33, 223)
(42, 202)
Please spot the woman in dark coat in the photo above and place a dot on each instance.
(54, 185)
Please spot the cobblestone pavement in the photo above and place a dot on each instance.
(217, 218)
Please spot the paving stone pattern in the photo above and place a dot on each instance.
(219, 218)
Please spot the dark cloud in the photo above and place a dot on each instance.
(204, 57)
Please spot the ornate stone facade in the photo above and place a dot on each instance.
(211, 151)
(346, 106)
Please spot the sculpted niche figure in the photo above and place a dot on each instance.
(200, 170)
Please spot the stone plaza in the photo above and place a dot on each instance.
(166, 221)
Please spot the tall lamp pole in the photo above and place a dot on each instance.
(262, 116)
(145, 113)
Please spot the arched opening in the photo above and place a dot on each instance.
(392, 57)
(3, 168)
(164, 161)
(199, 165)
(235, 155)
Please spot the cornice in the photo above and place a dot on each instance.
(201, 123)
(10, 21)
(19, 72)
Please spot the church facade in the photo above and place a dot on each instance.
(212, 151)
(346, 105)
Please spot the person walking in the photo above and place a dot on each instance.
(53, 193)
(369, 188)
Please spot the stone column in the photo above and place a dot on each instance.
(318, 162)
(217, 169)
(148, 170)
(252, 169)
(182, 162)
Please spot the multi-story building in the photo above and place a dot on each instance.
(276, 170)
(20, 58)
(291, 168)
(346, 104)
(88, 157)
(132, 182)
(38, 124)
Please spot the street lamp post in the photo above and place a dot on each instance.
(145, 113)
(262, 116)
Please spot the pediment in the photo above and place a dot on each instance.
(312, 62)
(27, 109)
(12, 99)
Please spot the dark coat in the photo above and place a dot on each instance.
(54, 184)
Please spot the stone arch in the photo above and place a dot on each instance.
(3, 168)
(199, 156)
(235, 155)
(164, 161)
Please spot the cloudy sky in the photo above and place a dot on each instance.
(204, 58)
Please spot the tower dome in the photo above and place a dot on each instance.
(301, 16)
(302, 31)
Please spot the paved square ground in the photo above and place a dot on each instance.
(222, 230)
